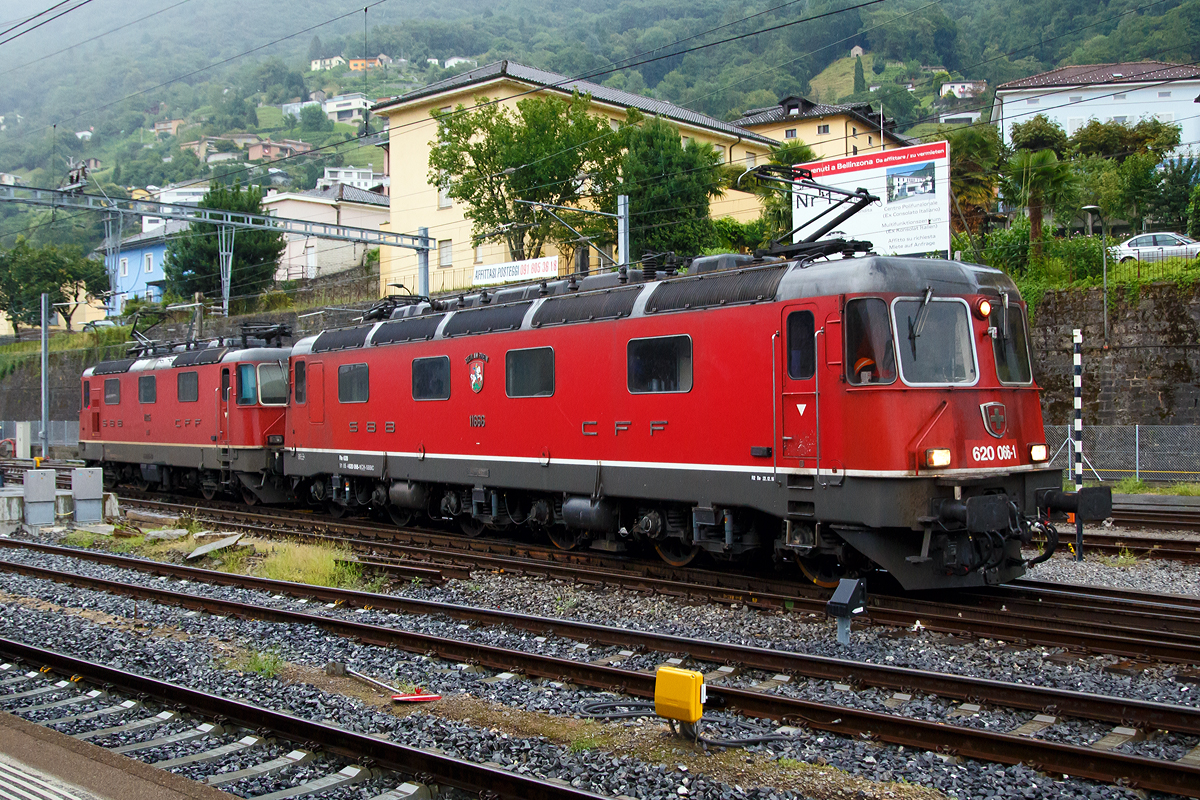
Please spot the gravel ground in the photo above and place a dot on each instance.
(1147, 575)
(191, 661)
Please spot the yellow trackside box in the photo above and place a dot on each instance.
(679, 694)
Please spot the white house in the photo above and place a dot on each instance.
(454, 61)
(319, 64)
(346, 107)
(312, 257)
(83, 136)
(962, 89)
(966, 117)
(1126, 92)
(294, 108)
(185, 194)
(359, 177)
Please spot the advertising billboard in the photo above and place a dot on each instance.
(527, 270)
(912, 217)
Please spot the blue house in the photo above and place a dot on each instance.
(137, 270)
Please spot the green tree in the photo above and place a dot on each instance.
(1193, 226)
(1034, 181)
(860, 78)
(1120, 141)
(26, 272)
(1138, 187)
(878, 65)
(547, 150)
(1040, 133)
(1168, 206)
(776, 218)
(192, 261)
(975, 155)
(669, 184)
(312, 118)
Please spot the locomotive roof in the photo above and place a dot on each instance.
(715, 281)
(188, 358)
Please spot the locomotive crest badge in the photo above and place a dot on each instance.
(475, 363)
(995, 419)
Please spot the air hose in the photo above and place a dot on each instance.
(626, 710)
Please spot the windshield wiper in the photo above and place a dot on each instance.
(914, 328)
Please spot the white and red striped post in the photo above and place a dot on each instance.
(1078, 437)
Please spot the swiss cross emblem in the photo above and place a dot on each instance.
(476, 368)
(995, 419)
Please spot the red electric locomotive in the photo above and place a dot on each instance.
(185, 417)
(858, 413)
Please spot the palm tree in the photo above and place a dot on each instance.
(974, 158)
(1034, 181)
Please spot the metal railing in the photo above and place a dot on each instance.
(1169, 453)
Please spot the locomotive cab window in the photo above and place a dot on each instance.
(87, 393)
(935, 341)
(112, 392)
(661, 364)
(353, 383)
(187, 387)
(272, 385)
(147, 389)
(870, 352)
(801, 345)
(225, 385)
(1011, 347)
(301, 381)
(529, 373)
(247, 385)
(431, 378)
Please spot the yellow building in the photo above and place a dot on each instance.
(416, 203)
(832, 131)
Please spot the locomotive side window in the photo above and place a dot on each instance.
(272, 385)
(301, 381)
(529, 373)
(801, 344)
(225, 385)
(87, 393)
(936, 347)
(352, 383)
(247, 385)
(870, 353)
(112, 392)
(1011, 350)
(187, 387)
(662, 364)
(431, 378)
(147, 389)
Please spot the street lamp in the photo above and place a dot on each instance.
(1104, 255)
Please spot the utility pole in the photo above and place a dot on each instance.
(423, 265)
(622, 229)
(45, 375)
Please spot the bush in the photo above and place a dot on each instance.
(1008, 249)
(1081, 258)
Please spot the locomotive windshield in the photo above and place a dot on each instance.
(1012, 347)
(870, 354)
(272, 385)
(939, 350)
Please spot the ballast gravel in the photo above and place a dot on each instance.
(192, 661)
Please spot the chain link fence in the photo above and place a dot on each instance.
(1168, 453)
(63, 432)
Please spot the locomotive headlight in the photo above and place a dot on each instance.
(1039, 452)
(937, 457)
(983, 309)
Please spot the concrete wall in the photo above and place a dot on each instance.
(1150, 372)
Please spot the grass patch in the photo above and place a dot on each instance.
(266, 663)
(584, 744)
(1123, 558)
(78, 539)
(316, 564)
(789, 763)
(1135, 486)
(127, 545)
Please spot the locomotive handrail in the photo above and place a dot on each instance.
(817, 397)
(775, 366)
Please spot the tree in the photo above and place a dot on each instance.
(312, 118)
(777, 205)
(315, 50)
(546, 150)
(26, 272)
(1120, 141)
(975, 154)
(1034, 181)
(1040, 133)
(1168, 206)
(1193, 226)
(860, 79)
(878, 65)
(192, 262)
(669, 184)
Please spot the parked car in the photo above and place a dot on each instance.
(1156, 247)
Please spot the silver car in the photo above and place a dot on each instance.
(1156, 247)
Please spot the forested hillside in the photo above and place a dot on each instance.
(114, 68)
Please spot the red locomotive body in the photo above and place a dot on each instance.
(872, 410)
(211, 419)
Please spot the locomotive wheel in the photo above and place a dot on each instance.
(564, 538)
(471, 527)
(208, 492)
(676, 553)
(249, 497)
(400, 516)
(336, 510)
(823, 571)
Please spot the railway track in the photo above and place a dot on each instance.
(1145, 628)
(223, 727)
(1157, 511)
(760, 700)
